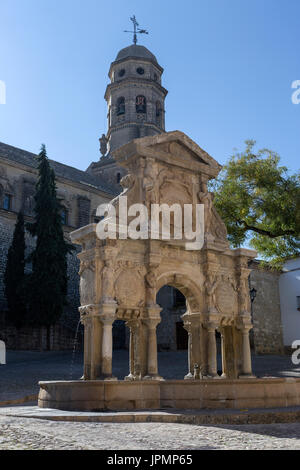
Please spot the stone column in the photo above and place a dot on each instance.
(107, 317)
(152, 347)
(223, 354)
(212, 349)
(189, 375)
(152, 369)
(95, 345)
(107, 344)
(132, 325)
(87, 350)
(246, 353)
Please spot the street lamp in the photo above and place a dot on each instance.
(253, 294)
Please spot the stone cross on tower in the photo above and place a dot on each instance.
(136, 29)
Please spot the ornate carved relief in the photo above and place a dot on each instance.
(243, 290)
(151, 286)
(108, 290)
(129, 288)
(214, 279)
(210, 286)
(226, 296)
(87, 282)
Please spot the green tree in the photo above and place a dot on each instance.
(259, 201)
(48, 281)
(14, 277)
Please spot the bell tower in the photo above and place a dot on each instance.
(135, 97)
(135, 103)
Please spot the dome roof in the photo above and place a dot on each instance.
(136, 51)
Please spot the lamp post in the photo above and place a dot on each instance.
(253, 294)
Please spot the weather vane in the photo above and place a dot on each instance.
(136, 30)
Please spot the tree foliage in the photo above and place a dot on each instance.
(48, 281)
(14, 277)
(259, 201)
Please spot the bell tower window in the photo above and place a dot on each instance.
(140, 104)
(121, 106)
(158, 113)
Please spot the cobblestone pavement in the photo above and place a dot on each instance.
(36, 434)
(20, 376)
(25, 368)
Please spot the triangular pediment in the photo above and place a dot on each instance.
(178, 150)
(174, 148)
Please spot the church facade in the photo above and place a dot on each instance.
(135, 99)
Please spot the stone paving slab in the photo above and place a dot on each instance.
(199, 417)
(39, 434)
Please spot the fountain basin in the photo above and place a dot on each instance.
(101, 395)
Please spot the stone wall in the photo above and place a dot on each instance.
(33, 339)
(29, 338)
(62, 334)
(81, 201)
(267, 333)
(6, 233)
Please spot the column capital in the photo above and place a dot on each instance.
(245, 329)
(244, 323)
(88, 311)
(211, 326)
(107, 320)
(153, 311)
(211, 321)
(187, 326)
(133, 324)
(195, 318)
(152, 322)
(108, 311)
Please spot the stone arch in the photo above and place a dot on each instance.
(141, 104)
(186, 286)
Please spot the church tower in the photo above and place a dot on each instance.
(135, 97)
(136, 106)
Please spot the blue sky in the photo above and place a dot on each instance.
(229, 66)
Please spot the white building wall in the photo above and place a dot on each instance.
(289, 288)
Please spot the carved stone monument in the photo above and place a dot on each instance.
(120, 277)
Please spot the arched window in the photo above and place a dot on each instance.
(140, 104)
(158, 113)
(6, 197)
(7, 202)
(158, 109)
(121, 106)
(118, 177)
(64, 216)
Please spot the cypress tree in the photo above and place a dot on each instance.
(14, 277)
(48, 281)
